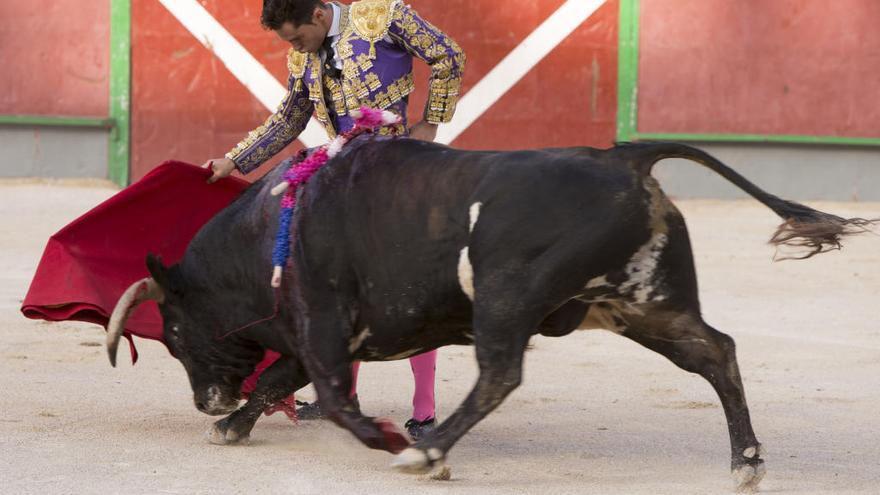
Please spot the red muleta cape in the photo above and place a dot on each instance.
(88, 264)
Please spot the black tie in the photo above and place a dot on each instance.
(329, 64)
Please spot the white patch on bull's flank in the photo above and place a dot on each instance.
(465, 269)
(640, 270)
(357, 341)
(466, 274)
(474, 213)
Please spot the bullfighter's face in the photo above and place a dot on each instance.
(307, 37)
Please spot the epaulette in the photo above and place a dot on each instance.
(371, 19)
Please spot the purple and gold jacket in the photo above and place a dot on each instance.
(378, 39)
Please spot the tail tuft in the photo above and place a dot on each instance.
(811, 232)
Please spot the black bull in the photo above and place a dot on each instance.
(403, 246)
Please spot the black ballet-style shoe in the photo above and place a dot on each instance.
(418, 429)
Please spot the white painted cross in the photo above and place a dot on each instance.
(472, 105)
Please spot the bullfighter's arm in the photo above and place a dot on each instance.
(279, 130)
(439, 51)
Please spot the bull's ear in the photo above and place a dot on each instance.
(168, 277)
(159, 272)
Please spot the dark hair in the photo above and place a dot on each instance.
(297, 12)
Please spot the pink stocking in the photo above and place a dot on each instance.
(423, 369)
(355, 367)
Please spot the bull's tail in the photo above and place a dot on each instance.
(802, 228)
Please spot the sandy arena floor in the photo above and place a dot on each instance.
(597, 414)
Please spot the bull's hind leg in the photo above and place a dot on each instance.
(500, 341)
(686, 340)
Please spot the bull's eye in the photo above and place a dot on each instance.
(175, 329)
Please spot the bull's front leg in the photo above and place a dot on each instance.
(278, 381)
(325, 353)
(500, 344)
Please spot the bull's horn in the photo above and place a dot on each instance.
(143, 290)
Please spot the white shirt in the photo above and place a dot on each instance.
(333, 34)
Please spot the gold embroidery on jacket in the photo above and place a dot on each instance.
(370, 19)
(393, 93)
(392, 130)
(284, 125)
(372, 81)
(363, 61)
(425, 41)
(344, 48)
(316, 94)
(335, 90)
(296, 63)
(344, 17)
(349, 69)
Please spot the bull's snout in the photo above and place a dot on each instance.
(214, 402)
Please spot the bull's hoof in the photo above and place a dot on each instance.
(220, 434)
(417, 461)
(749, 471)
(747, 477)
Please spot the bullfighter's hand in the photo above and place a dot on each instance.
(424, 131)
(221, 167)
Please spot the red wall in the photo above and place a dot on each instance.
(187, 106)
(706, 66)
(55, 56)
(801, 67)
